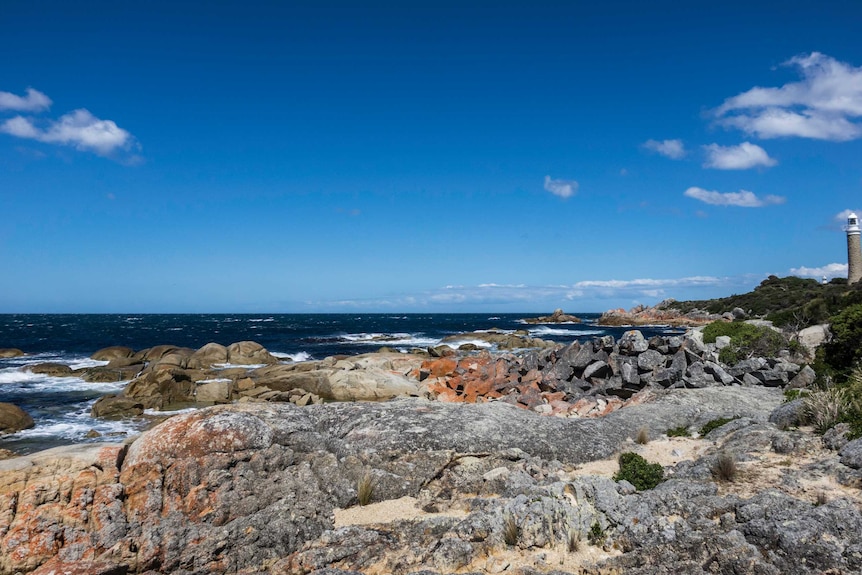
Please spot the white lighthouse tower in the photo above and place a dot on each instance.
(854, 250)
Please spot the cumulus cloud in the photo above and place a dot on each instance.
(562, 188)
(742, 157)
(79, 129)
(673, 149)
(825, 104)
(829, 270)
(34, 101)
(742, 198)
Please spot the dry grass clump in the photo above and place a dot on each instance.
(573, 542)
(365, 488)
(821, 498)
(642, 437)
(823, 409)
(511, 530)
(724, 468)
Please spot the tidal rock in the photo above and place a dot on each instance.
(112, 353)
(13, 418)
(7, 352)
(557, 317)
(249, 353)
(114, 406)
(208, 355)
(51, 369)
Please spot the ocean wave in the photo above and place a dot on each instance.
(455, 343)
(402, 339)
(260, 320)
(540, 331)
(75, 426)
(26, 381)
(85, 362)
(294, 357)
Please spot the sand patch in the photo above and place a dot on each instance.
(401, 509)
(666, 451)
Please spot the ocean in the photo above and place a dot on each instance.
(61, 406)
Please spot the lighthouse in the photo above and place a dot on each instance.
(854, 250)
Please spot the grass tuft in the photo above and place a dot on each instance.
(681, 431)
(365, 488)
(642, 437)
(573, 543)
(724, 468)
(511, 530)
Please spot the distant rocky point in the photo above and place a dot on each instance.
(557, 317)
(665, 313)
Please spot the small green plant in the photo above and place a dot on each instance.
(511, 530)
(365, 488)
(724, 468)
(794, 394)
(639, 472)
(715, 424)
(642, 437)
(729, 356)
(596, 534)
(681, 431)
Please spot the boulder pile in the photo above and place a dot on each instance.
(595, 377)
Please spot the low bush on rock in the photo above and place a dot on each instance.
(681, 431)
(746, 340)
(715, 424)
(639, 472)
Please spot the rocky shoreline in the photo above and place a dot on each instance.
(466, 461)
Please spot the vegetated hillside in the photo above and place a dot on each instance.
(788, 302)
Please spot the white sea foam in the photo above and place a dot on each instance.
(477, 342)
(403, 339)
(259, 320)
(214, 380)
(82, 362)
(230, 365)
(37, 382)
(294, 357)
(76, 425)
(540, 331)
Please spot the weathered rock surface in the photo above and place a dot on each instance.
(8, 352)
(113, 353)
(50, 369)
(256, 489)
(13, 418)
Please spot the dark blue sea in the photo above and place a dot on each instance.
(61, 406)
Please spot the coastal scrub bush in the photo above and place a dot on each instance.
(681, 431)
(715, 424)
(746, 340)
(639, 472)
(596, 534)
(844, 350)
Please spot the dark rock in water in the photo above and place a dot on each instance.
(114, 406)
(13, 418)
(51, 369)
(557, 317)
(8, 352)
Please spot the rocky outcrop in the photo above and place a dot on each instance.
(112, 353)
(660, 314)
(13, 418)
(595, 377)
(51, 369)
(8, 352)
(557, 317)
(456, 488)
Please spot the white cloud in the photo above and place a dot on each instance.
(823, 105)
(742, 157)
(742, 198)
(34, 101)
(562, 188)
(78, 128)
(673, 149)
(829, 270)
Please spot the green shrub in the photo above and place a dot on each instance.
(715, 424)
(639, 472)
(745, 340)
(681, 431)
(844, 350)
(596, 534)
(793, 394)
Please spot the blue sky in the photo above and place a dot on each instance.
(421, 156)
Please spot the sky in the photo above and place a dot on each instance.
(421, 156)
